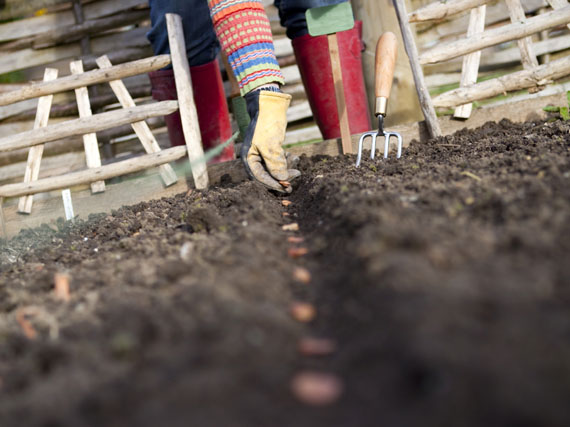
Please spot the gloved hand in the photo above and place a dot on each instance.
(262, 153)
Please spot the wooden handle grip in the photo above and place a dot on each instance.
(386, 51)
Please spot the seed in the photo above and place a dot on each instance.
(302, 275)
(293, 239)
(303, 312)
(316, 388)
(291, 227)
(297, 252)
(61, 281)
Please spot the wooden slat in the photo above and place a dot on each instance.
(27, 58)
(454, 27)
(512, 55)
(72, 33)
(471, 61)
(339, 94)
(3, 228)
(88, 176)
(40, 24)
(35, 154)
(446, 51)
(188, 113)
(441, 10)
(91, 124)
(117, 72)
(142, 129)
(540, 75)
(558, 4)
(90, 144)
(516, 13)
(423, 94)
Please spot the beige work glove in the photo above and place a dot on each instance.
(262, 151)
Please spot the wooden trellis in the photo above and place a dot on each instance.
(533, 76)
(87, 124)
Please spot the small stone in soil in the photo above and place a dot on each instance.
(294, 239)
(316, 388)
(310, 346)
(286, 203)
(303, 312)
(302, 275)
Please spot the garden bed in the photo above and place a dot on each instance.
(442, 278)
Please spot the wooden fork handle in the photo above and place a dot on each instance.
(386, 52)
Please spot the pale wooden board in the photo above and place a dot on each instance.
(412, 52)
(188, 113)
(35, 154)
(40, 24)
(142, 129)
(471, 61)
(453, 28)
(494, 36)
(339, 93)
(81, 126)
(51, 166)
(517, 14)
(90, 142)
(27, 58)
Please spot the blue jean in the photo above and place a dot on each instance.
(202, 45)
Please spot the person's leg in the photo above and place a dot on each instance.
(201, 42)
(202, 47)
(245, 35)
(314, 64)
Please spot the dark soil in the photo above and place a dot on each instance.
(444, 277)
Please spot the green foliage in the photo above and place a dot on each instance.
(564, 112)
(12, 77)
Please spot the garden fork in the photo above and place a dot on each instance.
(386, 51)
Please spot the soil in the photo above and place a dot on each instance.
(443, 278)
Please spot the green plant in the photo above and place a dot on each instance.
(563, 111)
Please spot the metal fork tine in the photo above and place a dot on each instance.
(360, 143)
(374, 136)
(373, 146)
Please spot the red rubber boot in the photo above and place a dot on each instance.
(313, 59)
(211, 105)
